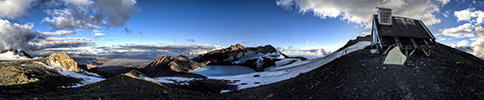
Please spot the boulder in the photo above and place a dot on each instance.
(62, 60)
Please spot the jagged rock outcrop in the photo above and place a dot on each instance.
(63, 61)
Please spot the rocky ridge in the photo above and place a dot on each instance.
(184, 64)
(171, 66)
(257, 58)
(63, 61)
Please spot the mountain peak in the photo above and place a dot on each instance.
(162, 60)
(236, 47)
(62, 60)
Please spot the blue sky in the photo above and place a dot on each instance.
(293, 24)
(226, 22)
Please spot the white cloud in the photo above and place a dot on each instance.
(464, 30)
(469, 14)
(113, 39)
(78, 2)
(15, 8)
(479, 43)
(460, 1)
(360, 11)
(292, 51)
(71, 19)
(89, 14)
(16, 36)
(97, 33)
(474, 18)
(439, 39)
(462, 43)
(59, 32)
(366, 33)
(444, 1)
(67, 39)
(310, 42)
(446, 14)
(62, 44)
(194, 49)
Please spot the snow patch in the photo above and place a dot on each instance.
(11, 56)
(224, 91)
(172, 80)
(87, 77)
(286, 61)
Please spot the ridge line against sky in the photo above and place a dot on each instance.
(286, 24)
